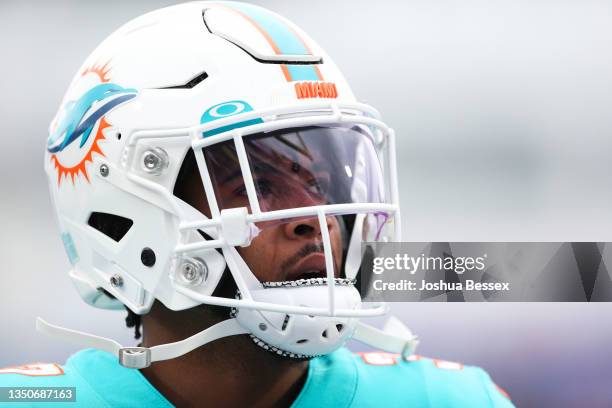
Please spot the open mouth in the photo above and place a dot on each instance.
(311, 266)
(315, 273)
(310, 270)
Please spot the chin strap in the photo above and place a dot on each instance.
(394, 338)
(141, 357)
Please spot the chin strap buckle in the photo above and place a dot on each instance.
(409, 348)
(135, 357)
(141, 357)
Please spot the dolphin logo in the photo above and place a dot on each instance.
(74, 124)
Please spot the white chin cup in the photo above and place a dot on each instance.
(302, 334)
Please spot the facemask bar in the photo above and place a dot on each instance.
(273, 119)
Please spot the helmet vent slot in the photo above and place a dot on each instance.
(189, 84)
(112, 225)
(302, 341)
(339, 327)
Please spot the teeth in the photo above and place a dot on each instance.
(309, 282)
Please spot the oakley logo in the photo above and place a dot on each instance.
(315, 89)
(228, 109)
(223, 110)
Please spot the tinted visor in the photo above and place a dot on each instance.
(298, 167)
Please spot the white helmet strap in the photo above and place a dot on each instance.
(141, 357)
(395, 338)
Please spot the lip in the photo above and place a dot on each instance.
(312, 262)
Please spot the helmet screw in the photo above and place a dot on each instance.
(147, 257)
(116, 281)
(104, 170)
(193, 271)
(263, 327)
(155, 160)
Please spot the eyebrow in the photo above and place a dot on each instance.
(258, 167)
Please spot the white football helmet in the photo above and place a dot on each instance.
(276, 136)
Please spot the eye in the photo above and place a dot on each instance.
(263, 187)
(240, 191)
(314, 186)
(319, 185)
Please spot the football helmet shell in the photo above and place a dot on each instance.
(189, 77)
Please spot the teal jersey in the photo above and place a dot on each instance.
(340, 379)
(343, 379)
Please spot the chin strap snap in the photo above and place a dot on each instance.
(394, 338)
(141, 357)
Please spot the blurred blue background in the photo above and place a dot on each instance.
(502, 111)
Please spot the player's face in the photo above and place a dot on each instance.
(285, 176)
(292, 251)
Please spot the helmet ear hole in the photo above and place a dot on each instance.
(112, 225)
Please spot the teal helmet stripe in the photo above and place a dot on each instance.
(303, 73)
(284, 38)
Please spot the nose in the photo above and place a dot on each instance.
(306, 228)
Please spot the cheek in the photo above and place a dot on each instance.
(262, 256)
(336, 242)
(335, 236)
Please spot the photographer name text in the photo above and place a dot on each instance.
(468, 285)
